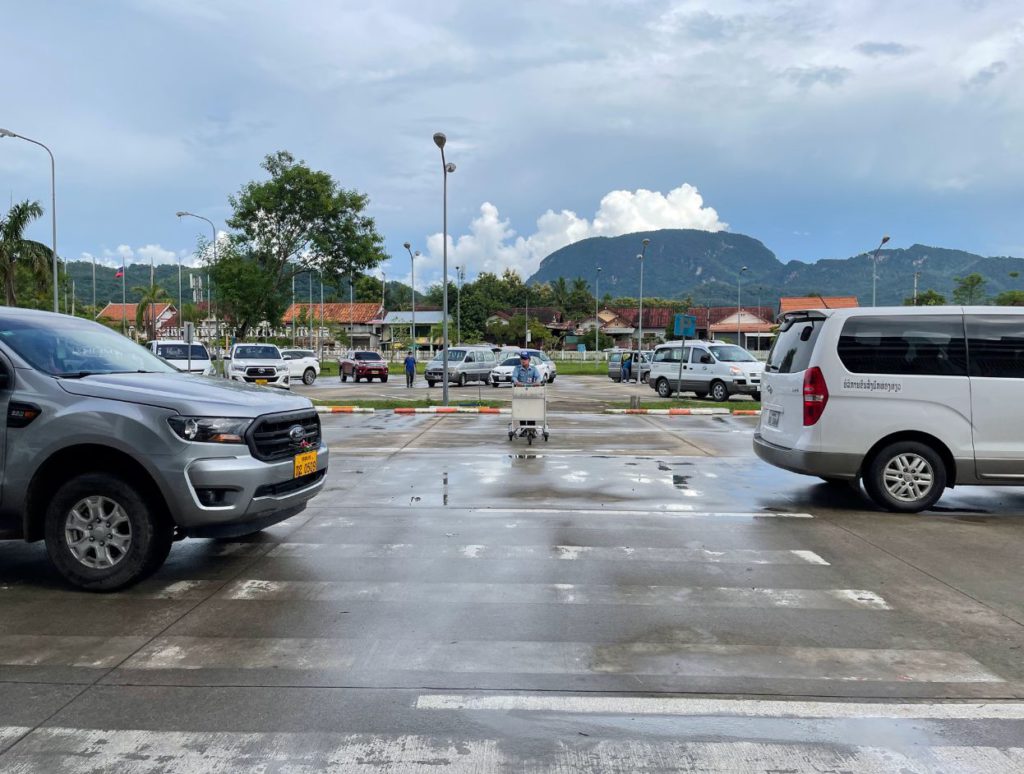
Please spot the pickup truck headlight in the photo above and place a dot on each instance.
(281, 369)
(237, 367)
(210, 429)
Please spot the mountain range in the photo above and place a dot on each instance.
(705, 265)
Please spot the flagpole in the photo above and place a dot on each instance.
(124, 304)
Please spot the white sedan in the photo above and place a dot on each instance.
(502, 373)
(302, 364)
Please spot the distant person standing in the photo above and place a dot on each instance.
(410, 369)
(627, 366)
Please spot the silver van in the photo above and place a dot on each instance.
(910, 400)
(465, 364)
(714, 368)
(109, 454)
(615, 364)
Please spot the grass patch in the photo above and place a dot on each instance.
(732, 405)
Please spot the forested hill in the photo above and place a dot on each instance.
(704, 265)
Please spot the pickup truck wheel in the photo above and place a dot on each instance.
(355, 378)
(383, 379)
(430, 383)
(101, 535)
(719, 392)
(344, 376)
(308, 376)
(664, 388)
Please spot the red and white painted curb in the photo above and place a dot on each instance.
(453, 410)
(675, 412)
(343, 410)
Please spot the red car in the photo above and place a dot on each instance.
(360, 364)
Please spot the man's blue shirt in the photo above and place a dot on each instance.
(528, 375)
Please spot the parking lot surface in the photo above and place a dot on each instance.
(638, 594)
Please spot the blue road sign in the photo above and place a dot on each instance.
(686, 325)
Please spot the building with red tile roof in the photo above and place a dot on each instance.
(797, 303)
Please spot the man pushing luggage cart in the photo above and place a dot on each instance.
(529, 402)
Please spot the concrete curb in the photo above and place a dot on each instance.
(676, 412)
(747, 412)
(343, 410)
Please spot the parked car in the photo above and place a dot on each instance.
(712, 368)
(465, 364)
(911, 400)
(259, 364)
(110, 454)
(502, 373)
(615, 364)
(363, 364)
(177, 354)
(302, 364)
(547, 367)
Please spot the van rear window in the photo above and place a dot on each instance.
(922, 345)
(792, 350)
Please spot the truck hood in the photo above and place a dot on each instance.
(195, 395)
(258, 363)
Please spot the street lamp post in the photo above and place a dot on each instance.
(213, 231)
(53, 206)
(460, 274)
(446, 169)
(917, 276)
(412, 279)
(640, 340)
(874, 268)
(739, 307)
(597, 320)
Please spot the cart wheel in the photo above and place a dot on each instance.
(510, 435)
(545, 437)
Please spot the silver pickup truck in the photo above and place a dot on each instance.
(109, 454)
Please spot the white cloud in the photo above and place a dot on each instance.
(493, 245)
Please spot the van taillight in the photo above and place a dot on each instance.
(815, 396)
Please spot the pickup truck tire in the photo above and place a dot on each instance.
(344, 376)
(430, 383)
(383, 379)
(308, 376)
(355, 378)
(101, 535)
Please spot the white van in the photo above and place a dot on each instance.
(177, 354)
(909, 399)
(715, 368)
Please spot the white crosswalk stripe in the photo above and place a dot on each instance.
(61, 750)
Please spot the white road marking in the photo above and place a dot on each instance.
(554, 594)
(739, 708)
(561, 658)
(677, 512)
(10, 733)
(566, 552)
(82, 751)
(71, 651)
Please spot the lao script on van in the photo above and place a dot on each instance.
(872, 385)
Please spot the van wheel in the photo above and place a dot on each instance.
(664, 390)
(308, 376)
(551, 379)
(757, 396)
(101, 535)
(462, 380)
(905, 477)
(719, 392)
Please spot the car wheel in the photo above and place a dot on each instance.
(757, 396)
(551, 379)
(101, 535)
(355, 378)
(906, 477)
(462, 380)
(494, 384)
(644, 378)
(430, 383)
(719, 392)
(664, 390)
(344, 376)
(383, 379)
(308, 376)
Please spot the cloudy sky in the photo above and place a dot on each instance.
(814, 126)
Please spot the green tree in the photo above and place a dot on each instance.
(17, 252)
(243, 288)
(145, 311)
(926, 298)
(300, 220)
(969, 290)
(1010, 298)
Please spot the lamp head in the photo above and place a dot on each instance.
(885, 239)
(7, 133)
(440, 139)
(449, 167)
(646, 242)
(181, 213)
(407, 246)
(639, 256)
(743, 269)
(417, 253)
(599, 269)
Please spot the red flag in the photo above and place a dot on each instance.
(120, 273)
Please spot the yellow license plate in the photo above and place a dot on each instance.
(305, 464)
(261, 381)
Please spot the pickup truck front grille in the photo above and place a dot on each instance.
(261, 371)
(270, 438)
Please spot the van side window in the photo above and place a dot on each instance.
(921, 345)
(996, 346)
(667, 355)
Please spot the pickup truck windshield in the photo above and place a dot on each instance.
(257, 353)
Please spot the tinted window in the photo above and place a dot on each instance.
(511, 361)
(730, 353)
(904, 344)
(667, 355)
(791, 352)
(996, 345)
(180, 351)
(615, 357)
(367, 356)
(257, 353)
(456, 355)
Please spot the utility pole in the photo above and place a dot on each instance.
(597, 319)
(917, 276)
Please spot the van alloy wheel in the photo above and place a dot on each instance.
(905, 477)
(908, 478)
(98, 532)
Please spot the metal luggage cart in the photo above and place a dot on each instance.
(529, 413)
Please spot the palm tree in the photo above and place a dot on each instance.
(560, 294)
(15, 250)
(151, 296)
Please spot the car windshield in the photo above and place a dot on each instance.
(730, 353)
(510, 361)
(78, 349)
(367, 356)
(257, 353)
(180, 351)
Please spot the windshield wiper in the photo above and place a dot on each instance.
(77, 374)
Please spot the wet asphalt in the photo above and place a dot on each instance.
(637, 594)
